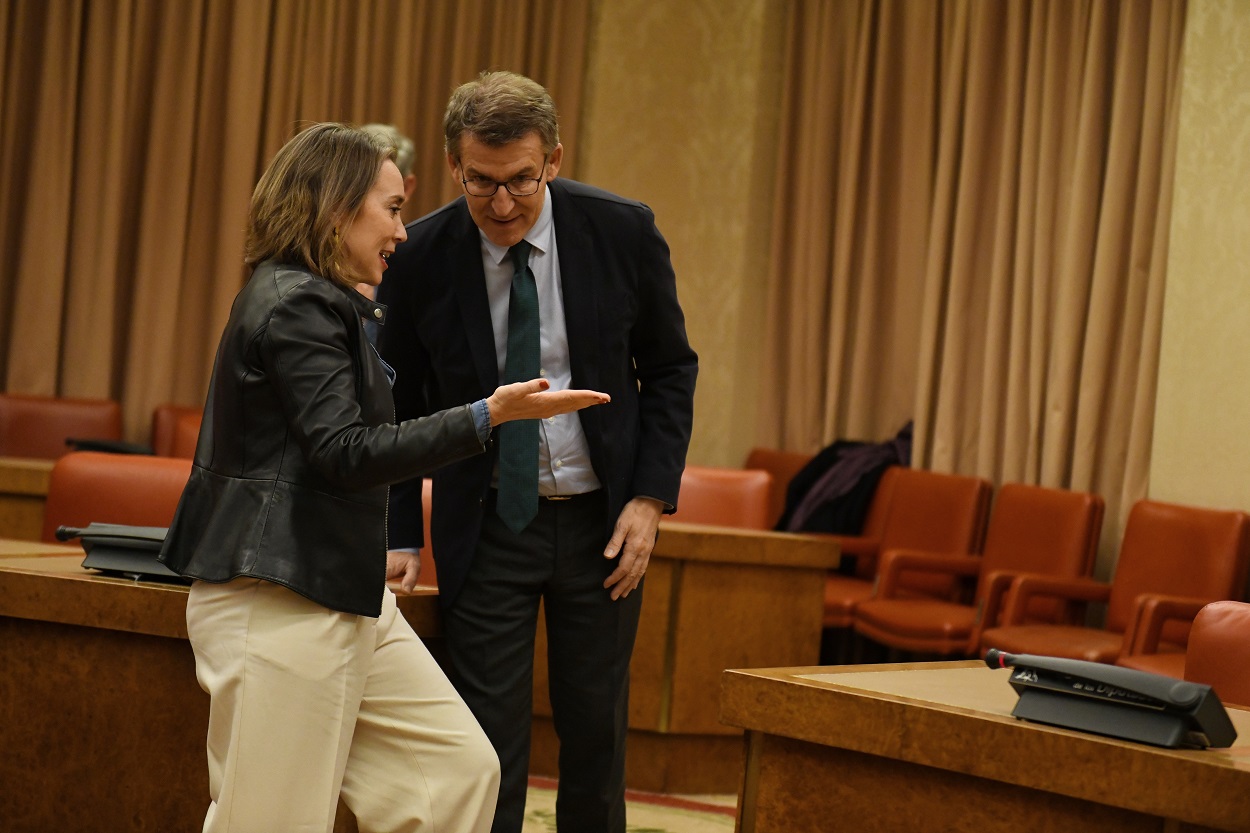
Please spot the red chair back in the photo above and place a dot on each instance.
(1178, 551)
(783, 466)
(1035, 529)
(927, 510)
(95, 487)
(875, 521)
(1219, 651)
(175, 429)
(429, 571)
(725, 497)
(38, 426)
(186, 436)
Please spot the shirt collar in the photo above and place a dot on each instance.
(539, 235)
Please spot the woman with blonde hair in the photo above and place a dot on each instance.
(318, 687)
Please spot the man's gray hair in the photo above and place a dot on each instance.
(404, 149)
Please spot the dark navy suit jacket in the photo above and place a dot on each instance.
(626, 335)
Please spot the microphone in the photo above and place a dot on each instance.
(995, 658)
(66, 533)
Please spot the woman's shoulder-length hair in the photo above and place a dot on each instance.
(311, 192)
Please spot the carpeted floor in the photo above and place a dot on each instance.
(644, 812)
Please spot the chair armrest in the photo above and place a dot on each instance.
(894, 562)
(856, 552)
(996, 583)
(850, 545)
(1027, 586)
(1150, 613)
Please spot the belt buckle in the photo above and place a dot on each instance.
(557, 497)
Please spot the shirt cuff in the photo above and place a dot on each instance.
(668, 507)
(481, 420)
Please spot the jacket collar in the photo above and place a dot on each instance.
(368, 309)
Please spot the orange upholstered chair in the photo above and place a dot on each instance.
(38, 426)
(428, 576)
(783, 466)
(1145, 648)
(914, 510)
(95, 487)
(724, 497)
(1031, 530)
(186, 436)
(1219, 651)
(1169, 554)
(175, 430)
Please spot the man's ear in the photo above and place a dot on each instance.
(454, 166)
(553, 163)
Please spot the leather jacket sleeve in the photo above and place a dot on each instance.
(298, 445)
(312, 361)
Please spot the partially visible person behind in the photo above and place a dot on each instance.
(405, 152)
(318, 687)
(528, 273)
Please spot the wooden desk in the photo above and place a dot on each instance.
(714, 598)
(103, 724)
(23, 490)
(27, 549)
(933, 746)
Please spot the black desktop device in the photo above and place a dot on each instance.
(1114, 701)
(123, 551)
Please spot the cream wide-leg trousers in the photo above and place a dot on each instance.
(307, 702)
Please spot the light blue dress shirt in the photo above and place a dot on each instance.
(563, 455)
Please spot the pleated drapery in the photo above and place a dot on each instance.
(973, 210)
(135, 131)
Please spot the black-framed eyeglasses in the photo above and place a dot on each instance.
(520, 186)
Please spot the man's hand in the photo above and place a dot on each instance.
(404, 567)
(632, 540)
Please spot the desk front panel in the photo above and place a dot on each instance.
(103, 730)
(104, 724)
(925, 730)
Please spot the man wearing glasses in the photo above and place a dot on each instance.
(526, 276)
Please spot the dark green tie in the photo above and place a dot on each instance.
(518, 440)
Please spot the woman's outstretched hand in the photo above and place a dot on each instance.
(532, 400)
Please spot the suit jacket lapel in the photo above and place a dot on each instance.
(577, 286)
(465, 265)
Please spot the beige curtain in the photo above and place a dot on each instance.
(974, 199)
(134, 131)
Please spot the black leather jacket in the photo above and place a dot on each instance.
(298, 446)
